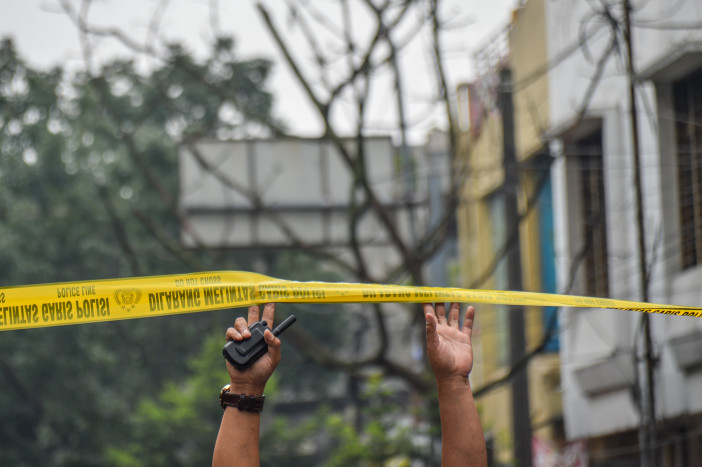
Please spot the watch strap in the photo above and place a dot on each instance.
(243, 402)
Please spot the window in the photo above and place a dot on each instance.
(588, 153)
(687, 102)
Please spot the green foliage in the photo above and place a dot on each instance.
(80, 157)
(389, 434)
(178, 424)
(328, 323)
(88, 188)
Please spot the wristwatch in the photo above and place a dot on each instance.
(242, 402)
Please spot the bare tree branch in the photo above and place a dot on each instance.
(441, 75)
(319, 57)
(115, 33)
(120, 231)
(323, 109)
(311, 349)
(81, 19)
(171, 245)
(154, 24)
(405, 159)
(259, 206)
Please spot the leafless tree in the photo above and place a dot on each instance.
(356, 48)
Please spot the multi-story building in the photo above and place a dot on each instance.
(590, 133)
(572, 114)
(508, 161)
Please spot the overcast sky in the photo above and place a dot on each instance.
(45, 36)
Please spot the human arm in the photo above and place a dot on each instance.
(450, 354)
(238, 437)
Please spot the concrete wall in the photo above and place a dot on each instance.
(597, 351)
(290, 192)
(304, 185)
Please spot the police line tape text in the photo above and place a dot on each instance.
(193, 298)
(55, 311)
(75, 291)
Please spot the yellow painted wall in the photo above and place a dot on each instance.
(528, 62)
(485, 174)
(484, 159)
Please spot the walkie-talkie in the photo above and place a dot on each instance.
(242, 354)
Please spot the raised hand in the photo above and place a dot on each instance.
(253, 379)
(448, 346)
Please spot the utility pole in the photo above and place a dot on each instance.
(647, 425)
(521, 423)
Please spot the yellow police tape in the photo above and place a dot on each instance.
(36, 306)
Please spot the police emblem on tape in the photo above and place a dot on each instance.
(127, 298)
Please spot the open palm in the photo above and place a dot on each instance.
(448, 346)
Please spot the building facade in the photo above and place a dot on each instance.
(506, 111)
(591, 141)
(573, 141)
